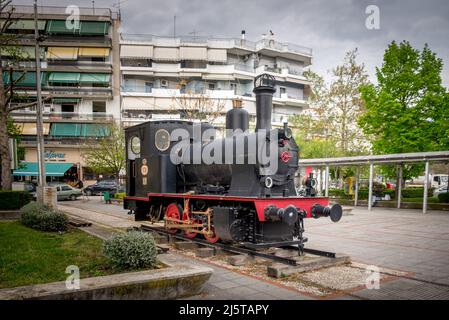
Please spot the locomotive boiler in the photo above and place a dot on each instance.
(239, 188)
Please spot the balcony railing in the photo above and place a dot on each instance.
(83, 11)
(31, 140)
(55, 116)
(224, 42)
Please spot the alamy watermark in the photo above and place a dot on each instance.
(72, 282)
(72, 22)
(372, 21)
(372, 281)
(261, 147)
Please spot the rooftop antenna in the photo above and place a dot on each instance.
(195, 33)
(174, 26)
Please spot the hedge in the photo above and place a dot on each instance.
(13, 200)
(443, 197)
(416, 192)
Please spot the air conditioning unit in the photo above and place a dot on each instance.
(164, 83)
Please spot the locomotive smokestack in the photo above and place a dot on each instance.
(264, 90)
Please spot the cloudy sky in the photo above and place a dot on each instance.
(329, 27)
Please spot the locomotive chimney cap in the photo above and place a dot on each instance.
(265, 81)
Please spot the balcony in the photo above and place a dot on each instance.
(30, 141)
(28, 116)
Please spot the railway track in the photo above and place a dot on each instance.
(241, 249)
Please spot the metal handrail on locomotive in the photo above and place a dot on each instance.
(237, 197)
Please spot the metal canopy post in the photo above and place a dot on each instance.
(356, 196)
(370, 193)
(399, 187)
(426, 187)
(326, 179)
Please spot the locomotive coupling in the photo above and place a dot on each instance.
(287, 215)
(335, 212)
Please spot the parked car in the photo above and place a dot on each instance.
(442, 189)
(101, 186)
(66, 192)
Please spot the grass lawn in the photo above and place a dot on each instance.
(31, 257)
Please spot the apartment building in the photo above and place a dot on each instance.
(160, 75)
(80, 70)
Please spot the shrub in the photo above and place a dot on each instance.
(13, 200)
(131, 250)
(43, 218)
(443, 197)
(416, 192)
(120, 195)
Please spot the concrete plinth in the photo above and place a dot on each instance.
(176, 281)
(204, 252)
(279, 270)
(240, 260)
(185, 245)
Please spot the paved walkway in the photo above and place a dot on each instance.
(405, 240)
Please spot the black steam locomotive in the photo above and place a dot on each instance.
(239, 188)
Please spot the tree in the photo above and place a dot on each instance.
(106, 155)
(329, 127)
(197, 105)
(346, 104)
(407, 111)
(7, 93)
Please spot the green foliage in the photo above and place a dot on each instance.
(29, 256)
(407, 111)
(13, 200)
(131, 250)
(106, 155)
(40, 217)
(415, 192)
(120, 195)
(443, 197)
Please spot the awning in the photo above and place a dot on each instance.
(27, 25)
(94, 28)
(29, 129)
(130, 51)
(193, 53)
(66, 129)
(66, 100)
(217, 55)
(93, 52)
(30, 169)
(62, 53)
(166, 54)
(27, 80)
(99, 78)
(79, 130)
(94, 130)
(64, 77)
(59, 26)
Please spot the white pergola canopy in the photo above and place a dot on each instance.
(388, 159)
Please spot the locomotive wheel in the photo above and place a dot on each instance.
(212, 239)
(173, 211)
(189, 235)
